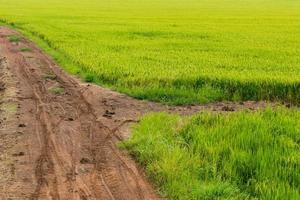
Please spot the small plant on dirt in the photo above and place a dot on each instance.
(49, 76)
(56, 90)
(14, 38)
(25, 49)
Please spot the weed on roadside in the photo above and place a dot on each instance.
(25, 49)
(49, 76)
(14, 38)
(56, 90)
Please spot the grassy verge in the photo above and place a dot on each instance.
(242, 155)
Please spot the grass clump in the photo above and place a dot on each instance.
(89, 78)
(50, 76)
(56, 90)
(14, 38)
(25, 49)
(242, 155)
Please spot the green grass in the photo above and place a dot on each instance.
(14, 38)
(50, 76)
(243, 155)
(56, 90)
(25, 49)
(175, 51)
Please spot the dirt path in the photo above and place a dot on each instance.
(58, 136)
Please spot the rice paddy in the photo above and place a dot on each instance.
(188, 52)
(173, 51)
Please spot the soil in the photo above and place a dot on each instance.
(58, 136)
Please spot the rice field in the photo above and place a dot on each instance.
(188, 52)
(243, 155)
(173, 51)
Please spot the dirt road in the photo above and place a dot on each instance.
(60, 146)
(58, 136)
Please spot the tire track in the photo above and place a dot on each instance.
(76, 155)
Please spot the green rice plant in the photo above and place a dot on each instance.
(242, 155)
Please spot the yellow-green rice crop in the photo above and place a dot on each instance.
(177, 51)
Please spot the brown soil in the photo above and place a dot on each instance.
(58, 136)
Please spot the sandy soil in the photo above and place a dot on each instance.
(58, 136)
